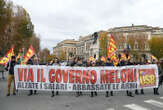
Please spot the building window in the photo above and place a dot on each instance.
(120, 46)
(136, 46)
(146, 46)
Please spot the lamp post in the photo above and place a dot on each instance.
(100, 52)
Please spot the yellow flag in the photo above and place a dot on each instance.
(4, 60)
(28, 55)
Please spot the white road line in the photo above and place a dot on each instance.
(110, 109)
(161, 97)
(155, 103)
(135, 107)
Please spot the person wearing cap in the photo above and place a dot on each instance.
(10, 68)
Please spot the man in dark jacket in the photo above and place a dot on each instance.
(78, 62)
(30, 62)
(93, 64)
(73, 63)
(10, 68)
(55, 63)
(129, 92)
(109, 63)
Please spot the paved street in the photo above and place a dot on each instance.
(68, 101)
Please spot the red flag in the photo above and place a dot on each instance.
(123, 57)
(153, 57)
(91, 58)
(111, 48)
(28, 55)
(103, 59)
(4, 60)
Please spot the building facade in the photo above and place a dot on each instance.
(88, 46)
(133, 39)
(65, 49)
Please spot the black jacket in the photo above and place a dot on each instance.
(10, 67)
(30, 62)
(109, 64)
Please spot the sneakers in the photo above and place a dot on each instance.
(52, 95)
(29, 94)
(130, 94)
(136, 92)
(107, 95)
(95, 93)
(157, 93)
(8, 94)
(57, 93)
(142, 93)
(111, 93)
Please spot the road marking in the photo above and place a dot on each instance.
(161, 97)
(135, 107)
(110, 109)
(155, 103)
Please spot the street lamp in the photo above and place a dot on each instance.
(100, 52)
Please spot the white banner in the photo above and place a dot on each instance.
(65, 78)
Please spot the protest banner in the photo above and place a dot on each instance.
(65, 78)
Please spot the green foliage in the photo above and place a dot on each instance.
(62, 57)
(16, 28)
(22, 29)
(5, 21)
(141, 40)
(43, 55)
(103, 42)
(5, 14)
(50, 57)
(35, 42)
(156, 46)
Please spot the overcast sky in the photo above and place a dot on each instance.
(56, 20)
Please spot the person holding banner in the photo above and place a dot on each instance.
(10, 68)
(74, 63)
(109, 63)
(30, 62)
(124, 63)
(130, 92)
(55, 62)
(141, 90)
(160, 70)
(93, 64)
(79, 62)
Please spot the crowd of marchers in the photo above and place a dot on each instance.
(76, 61)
